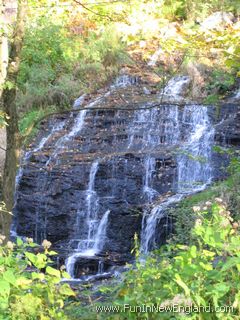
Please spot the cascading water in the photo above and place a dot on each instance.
(143, 157)
(94, 234)
(154, 58)
(124, 81)
(91, 216)
(97, 243)
(176, 86)
(194, 169)
(95, 229)
(148, 191)
(194, 159)
(25, 161)
(100, 236)
(40, 146)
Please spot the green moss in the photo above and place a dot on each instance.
(29, 118)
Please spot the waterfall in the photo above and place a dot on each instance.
(149, 222)
(148, 191)
(147, 124)
(94, 227)
(38, 148)
(101, 233)
(92, 212)
(79, 101)
(194, 159)
(124, 81)
(194, 169)
(119, 160)
(99, 240)
(154, 58)
(61, 142)
(175, 86)
(77, 127)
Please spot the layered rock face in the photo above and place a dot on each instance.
(117, 163)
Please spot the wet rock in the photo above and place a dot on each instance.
(52, 200)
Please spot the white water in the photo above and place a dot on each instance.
(194, 169)
(93, 242)
(149, 130)
(61, 142)
(24, 161)
(40, 146)
(148, 191)
(124, 81)
(101, 233)
(149, 222)
(92, 211)
(96, 228)
(79, 101)
(77, 127)
(154, 58)
(99, 241)
(147, 122)
(175, 88)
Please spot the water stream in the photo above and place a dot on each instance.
(194, 169)
(148, 146)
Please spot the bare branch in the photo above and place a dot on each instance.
(94, 12)
(128, 107)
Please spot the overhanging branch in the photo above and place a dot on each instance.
(92, 11)
(129, 107)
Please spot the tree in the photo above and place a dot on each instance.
(3, 47)
(11, 115)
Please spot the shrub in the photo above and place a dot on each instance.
(220, 82)
(29, 287)
(192, 277)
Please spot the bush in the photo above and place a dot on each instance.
(191, 277)
(29, 287)
(220, 82)
(58, 67)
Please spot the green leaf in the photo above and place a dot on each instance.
(66, 290)
(66, 275)
(4, 288)
(221, 289)
(233, 261)
(9, 277)
(53, 272)
(179, 281)
(193, 251)
(52, 253)
(19, 242)
(39, 260)
(206, 266)
(39, 276)
(31, 257)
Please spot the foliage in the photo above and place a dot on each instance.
(29, 287)
(79, 51)
(202, 275)
(192, 9)
(220, 82)
(182, 214)
(31, 117)
(61, 65)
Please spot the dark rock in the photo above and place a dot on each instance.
(49, 198)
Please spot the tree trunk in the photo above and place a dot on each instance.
(3, 46)
(10, 109)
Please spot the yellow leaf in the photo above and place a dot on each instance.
(23, 281)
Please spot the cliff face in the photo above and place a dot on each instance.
(125, 161)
